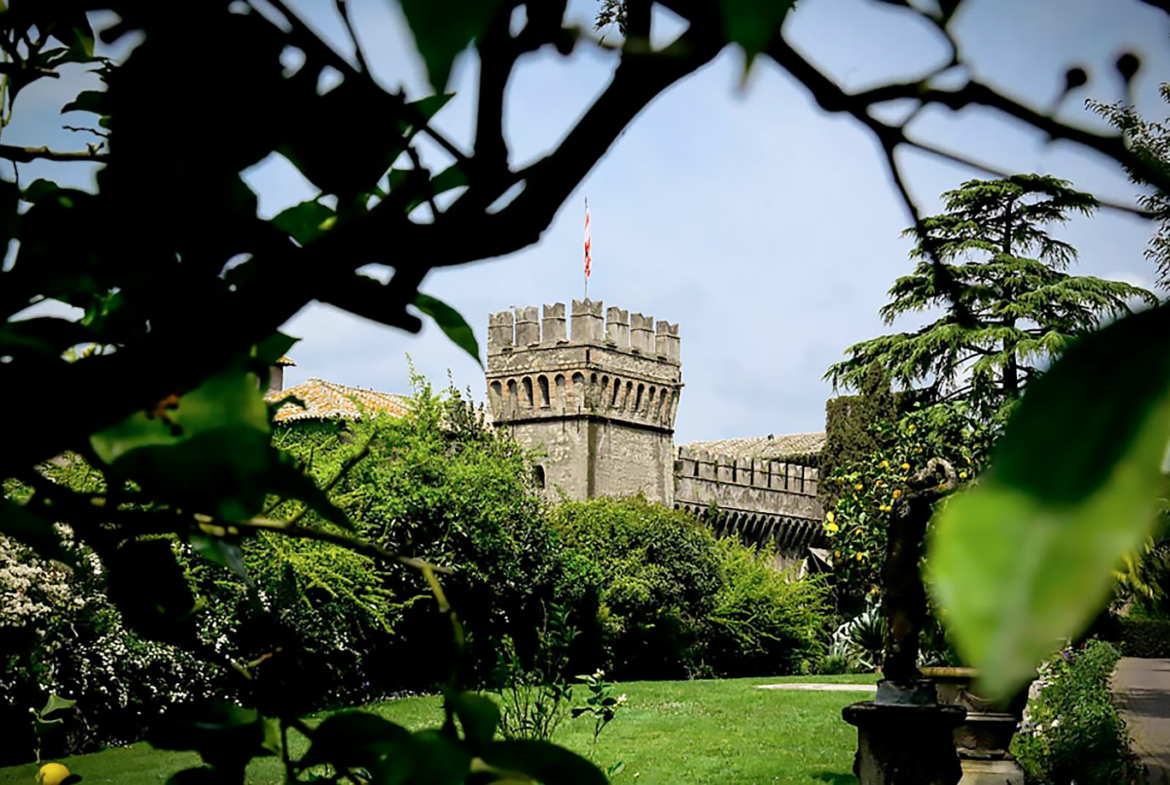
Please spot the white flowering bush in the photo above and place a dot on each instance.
(60, 634)
(1071, 731)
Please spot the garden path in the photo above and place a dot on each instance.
(1142, 688)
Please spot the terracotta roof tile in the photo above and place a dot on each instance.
(332, 401)
(788, 446)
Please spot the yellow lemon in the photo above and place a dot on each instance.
(884, 464)
(905, 467)
(860, 556)
(962, 475)
(858, 486)
(897, 493)
(829, 516)
(831, 527)
(52, 774)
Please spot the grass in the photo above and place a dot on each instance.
(712, 731)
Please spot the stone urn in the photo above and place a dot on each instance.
(984, 738)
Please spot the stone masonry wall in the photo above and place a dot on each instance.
(757, 499)
(600, 403)
(595, 395)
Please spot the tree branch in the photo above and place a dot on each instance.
(24, 155)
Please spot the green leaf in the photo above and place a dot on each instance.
(478, 714)
(305, 221)
(80, 36)
(285, 479)
(9, 223)
(1024, 560)
(451, 322)
(545, 762)
(427, 107)
(438, 760)
(444, 28)
(212, 448)
(753, 23)
(96, 101)
(359, 739)
(151, 590)
(226, 736)
(37, 189)
(56, 703)
(450, 178)
(274, 347)
(219, 551)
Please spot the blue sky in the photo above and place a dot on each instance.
(767, 228)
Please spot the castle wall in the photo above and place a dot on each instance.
(599, 402)
(594, 396)
(757, 499)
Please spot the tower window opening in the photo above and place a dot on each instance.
(579, 390)
(528, 391)
(638, 399)
(542, 382)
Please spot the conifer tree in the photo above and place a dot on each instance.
(1021, 306)
(1150, 141)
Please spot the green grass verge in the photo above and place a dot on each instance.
(710, 731)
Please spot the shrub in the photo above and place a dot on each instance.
(439, 484)
(834, 664)
(60, 634)
(764, 621)
(660, 577)
(861, 492)
(1071, 729)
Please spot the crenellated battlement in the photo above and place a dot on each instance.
(589, 324)
(595, 390)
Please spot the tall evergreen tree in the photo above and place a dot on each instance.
(1021, 307)
(1150, 141)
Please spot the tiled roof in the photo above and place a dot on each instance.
(788, 446)
(332, 401)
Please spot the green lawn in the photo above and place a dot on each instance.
(712, 731)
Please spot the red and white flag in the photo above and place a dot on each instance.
(588, 241)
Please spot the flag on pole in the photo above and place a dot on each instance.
(588, 242)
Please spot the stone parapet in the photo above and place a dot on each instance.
(618, 329)
(760, 500)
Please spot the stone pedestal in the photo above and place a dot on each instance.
(984, 738)
(905, 744)
(992, 772)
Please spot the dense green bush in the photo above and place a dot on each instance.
(660, 575)
(652, 592)
(1071, 729)
(438, 484)
(676, 602)
(764, 621)
(60, 634)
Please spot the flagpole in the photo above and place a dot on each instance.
(588, 243)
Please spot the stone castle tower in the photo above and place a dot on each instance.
(599, 403)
